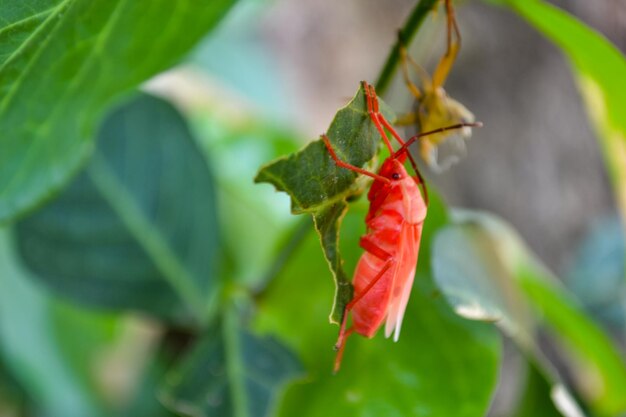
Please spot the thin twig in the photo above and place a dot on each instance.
(408, 31)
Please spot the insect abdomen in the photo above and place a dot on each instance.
(369, 313)
(395, 228)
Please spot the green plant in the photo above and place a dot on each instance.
(142, 272)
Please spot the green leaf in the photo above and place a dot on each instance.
(481, 265)
(599, 68)
(596, 276)
(535, 400)
(61, 65)
(442, 365)
(230, 372)
(318, 186)
(13, 398)
(327, 223)
(592, 349)
(139, 228)
(144, 402)
(477, 281)
(311, 177)
(34, 331)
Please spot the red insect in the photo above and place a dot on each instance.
(384, 275)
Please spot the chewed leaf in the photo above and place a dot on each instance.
(310, 176)
(327, 223)
(318, 186)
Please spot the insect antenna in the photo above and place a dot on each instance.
(405, 149)
(412, 140)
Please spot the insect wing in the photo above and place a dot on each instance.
(403, 278)
(369, 313)
(449, 152)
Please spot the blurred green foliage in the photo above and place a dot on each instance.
(487, 273)
(596, 275)
(62, 63)
(159, 280)
(143, 241)
(535, 399)
(245, 373)
(432, 370)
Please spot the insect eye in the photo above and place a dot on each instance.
(395, 176)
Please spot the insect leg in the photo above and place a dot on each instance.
(380, 253)
(378, 119)
(343, 333)
(405, 60)
(371, 284)
(408, 119)
(346, 165)
(350, 305)
(414, 89)
(340, 349)
(372, 110)
(453, 47)
(367, 244)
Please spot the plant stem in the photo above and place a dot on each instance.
(288, 247)
(407, 33)
(299, 232)
(234, 363)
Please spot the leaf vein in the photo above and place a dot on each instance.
(12, 25)
(94, 52)
(6, 100)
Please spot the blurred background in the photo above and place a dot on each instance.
(269, 79)
(536, 162)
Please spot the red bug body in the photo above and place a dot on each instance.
(384, 275)
(394, 227)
